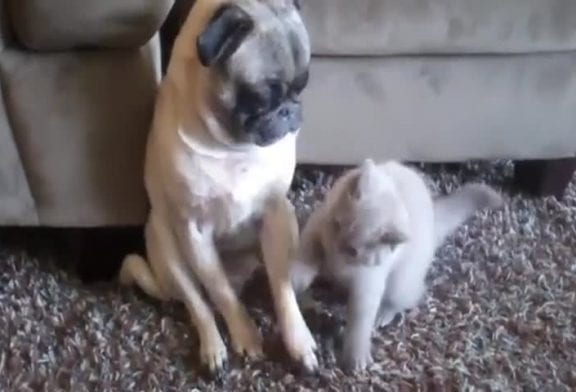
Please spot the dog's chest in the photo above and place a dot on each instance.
(225, 194)
(234, 192)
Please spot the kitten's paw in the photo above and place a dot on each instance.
(356, 360)
(213, 354)
(301, 345)
(246, 338)
(385, 318)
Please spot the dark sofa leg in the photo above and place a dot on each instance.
(99, 252)
(545, 177)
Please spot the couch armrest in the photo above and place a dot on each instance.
(69, 24)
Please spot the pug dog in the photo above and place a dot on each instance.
(220, 160)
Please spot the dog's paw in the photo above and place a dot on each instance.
(129, 264)
(301, 345)
(213, 354)
(246, 338)
(356, 360)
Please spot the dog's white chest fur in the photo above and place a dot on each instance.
(223, 193)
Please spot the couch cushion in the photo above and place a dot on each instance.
(66, 24)
(439, 108)
(81, 119)
(383, 27)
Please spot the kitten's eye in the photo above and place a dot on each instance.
(298, 4)
(392, 240)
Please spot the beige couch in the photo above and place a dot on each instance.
(78, 81)
(441, 80)
(419, 80)
(444, 80)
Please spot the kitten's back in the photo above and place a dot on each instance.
(444, 214)
(415, 195)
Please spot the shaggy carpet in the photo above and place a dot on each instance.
(500, 314)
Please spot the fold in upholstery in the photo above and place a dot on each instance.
(16, 202)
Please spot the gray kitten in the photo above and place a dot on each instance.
(376, 234)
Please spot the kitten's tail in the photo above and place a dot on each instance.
(452, 210)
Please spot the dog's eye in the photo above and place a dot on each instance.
(299, 83)
(276, 93)
(250, 100)
(298, 4)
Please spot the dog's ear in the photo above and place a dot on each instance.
(223, 34)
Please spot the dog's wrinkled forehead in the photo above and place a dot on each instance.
(278, 46)
(255, 40)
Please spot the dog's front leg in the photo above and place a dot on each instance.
(306, 266)
(279, 241)
(201, 254)
(164, 254)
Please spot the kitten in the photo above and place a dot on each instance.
(376, 234)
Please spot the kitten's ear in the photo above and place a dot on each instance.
(223, 35)
(362, 182)
(366, 178)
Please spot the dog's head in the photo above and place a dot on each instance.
(257, 54)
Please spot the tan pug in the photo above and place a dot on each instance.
(220, 160)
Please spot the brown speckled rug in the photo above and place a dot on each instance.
(500, 315)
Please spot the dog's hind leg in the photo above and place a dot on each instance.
(135, 270)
